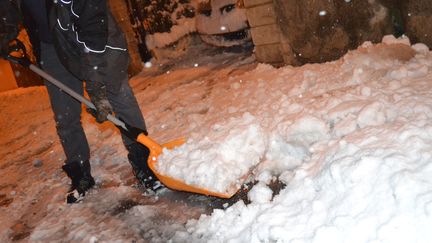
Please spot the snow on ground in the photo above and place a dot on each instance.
(351, 139)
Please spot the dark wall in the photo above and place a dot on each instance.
(347, 24)
(316, 37)
(417, 17)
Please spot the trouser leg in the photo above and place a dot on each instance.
(67, 110)
(126, 107)
(120, 94)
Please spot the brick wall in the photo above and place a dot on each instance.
(265, 31)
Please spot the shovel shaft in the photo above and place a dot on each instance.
(74, 94)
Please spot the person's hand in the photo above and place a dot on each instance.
(97, 93)
(15, 52)
(103, 108)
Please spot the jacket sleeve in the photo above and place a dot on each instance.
(92, 23)
(9, 19)
(92, 31)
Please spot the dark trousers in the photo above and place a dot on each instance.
(67, 110)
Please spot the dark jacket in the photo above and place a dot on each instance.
(35, 20)
(84, 32)
(32, 14)
(9, 19)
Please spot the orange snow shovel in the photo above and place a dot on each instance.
(176, 184)
(20, 57)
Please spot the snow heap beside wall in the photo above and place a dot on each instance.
(361, 131)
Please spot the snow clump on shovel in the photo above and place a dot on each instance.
(221, 160)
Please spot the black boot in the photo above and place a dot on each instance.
(82, 180)
(138, 155)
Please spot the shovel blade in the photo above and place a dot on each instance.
(175, 183)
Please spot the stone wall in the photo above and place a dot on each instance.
(303, 31)
(265, 31)
(320, 31)
(417, 16)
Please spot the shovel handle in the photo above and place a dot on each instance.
(23, 59)
(74, 94)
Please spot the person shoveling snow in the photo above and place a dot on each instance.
(85, 44)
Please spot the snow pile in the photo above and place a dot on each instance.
(294, 123)
(212, 162)
(360, 190)
(357, 170)
(291, 143)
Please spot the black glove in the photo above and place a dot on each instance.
(97, 93)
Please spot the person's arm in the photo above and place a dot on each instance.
(92, 24)
(92, 31)
(9, 29)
